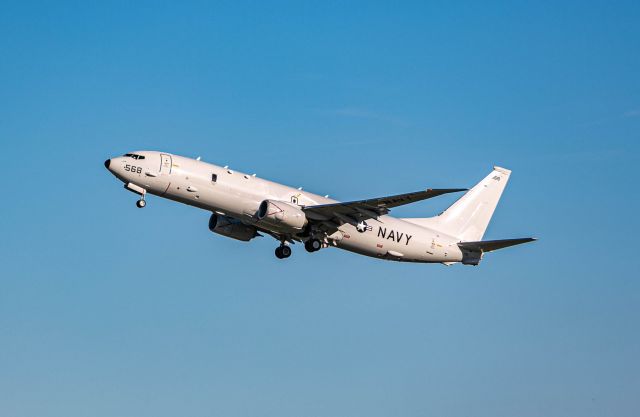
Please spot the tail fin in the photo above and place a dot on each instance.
(468, 218)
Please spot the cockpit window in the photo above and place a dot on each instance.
(134, 156)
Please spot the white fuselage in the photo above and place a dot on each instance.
(238, 195)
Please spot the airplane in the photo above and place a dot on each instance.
(244, 206)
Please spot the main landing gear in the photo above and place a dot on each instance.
(312, 245)
(283, 251)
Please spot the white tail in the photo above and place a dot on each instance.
(468, 218)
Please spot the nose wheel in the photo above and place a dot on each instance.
(141, 203)
(283, 252)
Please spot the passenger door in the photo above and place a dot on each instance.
(165, 164)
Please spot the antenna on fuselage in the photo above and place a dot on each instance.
(198, 158)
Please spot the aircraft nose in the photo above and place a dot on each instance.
(107, 163)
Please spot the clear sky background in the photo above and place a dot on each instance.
(108, 310)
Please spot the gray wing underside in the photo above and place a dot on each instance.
(356, 211)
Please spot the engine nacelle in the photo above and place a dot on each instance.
(229, 227)
(280, 216)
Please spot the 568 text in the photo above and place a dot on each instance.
(132, 168)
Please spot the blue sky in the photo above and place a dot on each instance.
(107, 310)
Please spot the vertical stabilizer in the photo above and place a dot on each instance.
(468, 218)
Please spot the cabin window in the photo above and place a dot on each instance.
(214, 178)
(134, 156)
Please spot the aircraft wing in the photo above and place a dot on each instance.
(354, 211)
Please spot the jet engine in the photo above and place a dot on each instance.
(229, 227)
(280, 216)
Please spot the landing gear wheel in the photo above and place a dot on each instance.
(283, 252)
(312, 245)
(141, 203)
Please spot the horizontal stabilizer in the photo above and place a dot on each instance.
(491, 245)
(472, 251)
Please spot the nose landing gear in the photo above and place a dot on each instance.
(138, 190)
